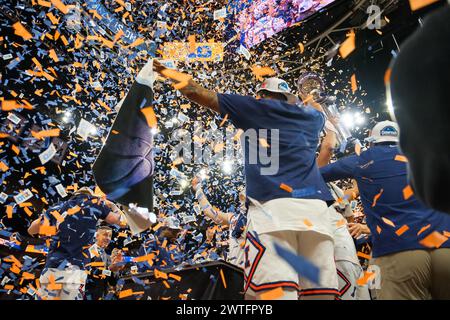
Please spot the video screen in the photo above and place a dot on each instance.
(258, 20)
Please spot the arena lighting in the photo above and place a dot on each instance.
(348, 120)
(203, 174)
(184, 183)
(93, 131)
(359, 119)
(67, 116)
(227, 166)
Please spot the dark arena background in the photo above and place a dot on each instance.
(66, 64)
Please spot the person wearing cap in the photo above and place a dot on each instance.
(288, 204)
(408, 238)
(71, 226)
(348, 267)
(417, 91)
(235, 221)
(165, 246)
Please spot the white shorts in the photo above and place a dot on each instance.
(70, 284)
(304, 229)
(348, 275)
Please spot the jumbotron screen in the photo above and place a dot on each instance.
(258, 20)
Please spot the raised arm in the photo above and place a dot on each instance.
(189, 88)
(116, 216)
(217, 216)
(326, 149)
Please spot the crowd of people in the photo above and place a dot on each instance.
(298, 209)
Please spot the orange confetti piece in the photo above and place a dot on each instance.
(272, 294)
(341, 223)
(160, 274)
(53, 55)
(307, 223)
(224, 120)
(9, 211)
(238, 134)
(353, 83)
(375, 199)
(20, 30)
(423, 229)
(73, 210)
(150, 116)
(378, 229)
(60, 6)
(8, 105)
(285, 187)
(357, 149)
(44, 3)
(47, 230)
(125, 293)
(96, 264)
(46, 133)
(419, 4)
(434, 240)
(222, 276)
(136, 43)
(118, 35)
(174, 276)
(28, 211)
(348, 46)
(15, 149)
(400, 158)
(365, 278)
(3, 166)
(260, 72)
(28, 276)
(263, 142)
(388, 222)
(52, 18)
(219, 147)
(402, 230)
(64, 40)
(363, 255)
(192, 46)
(301, 47)
(387, 76)
(57, 216)
(407, 192)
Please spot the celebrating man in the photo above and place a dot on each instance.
(289, 206)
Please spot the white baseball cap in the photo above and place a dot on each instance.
(280, 86)
(384, 131)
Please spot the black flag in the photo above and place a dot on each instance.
(123, 170)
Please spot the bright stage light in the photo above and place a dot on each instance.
(227, 166)
(67, 116)
(359, 119)
(347, 120)
(184, 183)
(93, 131)
(203, 175)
